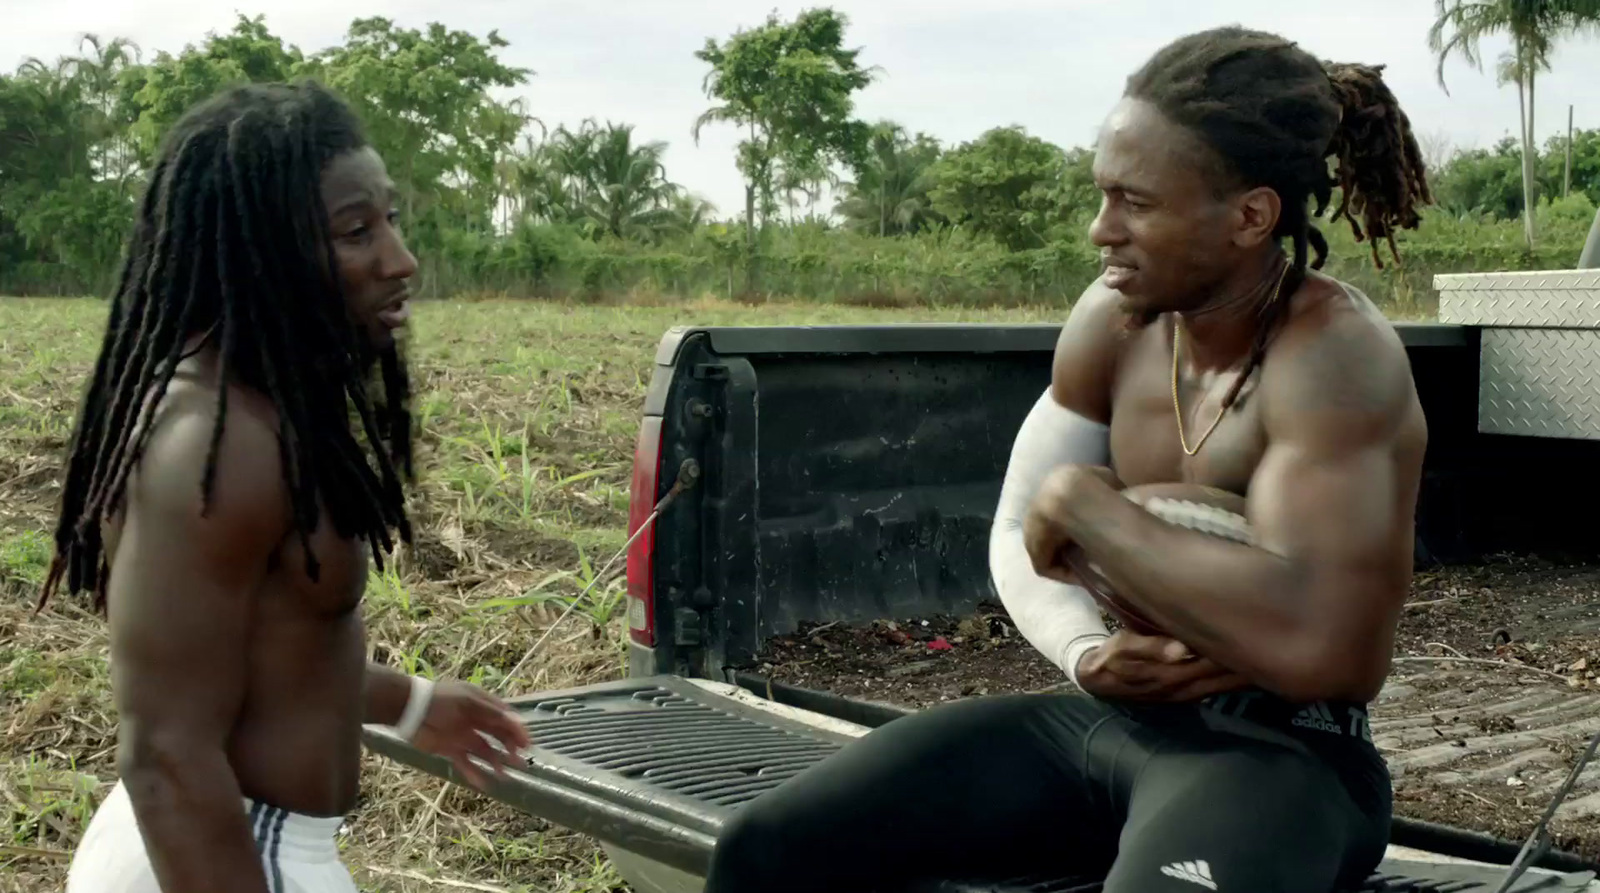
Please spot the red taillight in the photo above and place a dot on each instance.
(642, 554)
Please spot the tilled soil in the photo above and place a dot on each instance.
(1480, 746)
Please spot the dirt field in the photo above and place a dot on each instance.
(1473, 745)
(528, 414)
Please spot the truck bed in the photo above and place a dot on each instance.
(1481, 747)
(627, 762)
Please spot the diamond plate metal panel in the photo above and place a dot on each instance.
(1540, 383)
(1543, 298)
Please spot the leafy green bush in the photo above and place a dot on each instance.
(811, 261)
(940, 267)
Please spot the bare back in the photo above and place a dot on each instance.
(218, 633)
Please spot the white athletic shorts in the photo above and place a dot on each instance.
(299, 852)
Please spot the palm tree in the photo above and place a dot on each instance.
(620, 186)
(889, 195)
(1534, 26)
(539, 189)
(623, 184)
(601, 177)
(55, 96)
(690, 212)
(99, 73)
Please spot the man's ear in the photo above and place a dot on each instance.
(1257, 213)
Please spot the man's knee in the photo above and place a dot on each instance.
(1260, 819)
(753, 852)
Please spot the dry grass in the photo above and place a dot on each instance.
(528, 414)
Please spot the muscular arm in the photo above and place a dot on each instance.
(180, 599)
(1308, 611)
(1065, 426)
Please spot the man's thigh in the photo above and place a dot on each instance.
(1255, 818)
(991, 786)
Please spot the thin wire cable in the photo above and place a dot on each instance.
(686, 479)
(1538, 842)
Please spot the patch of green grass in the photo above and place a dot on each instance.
(27, 672)
(44, 796)
(24, 560)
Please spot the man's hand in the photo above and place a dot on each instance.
(1044, 532)
(461, 720)
(1129, 666)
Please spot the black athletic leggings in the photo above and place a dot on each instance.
(1240, 794)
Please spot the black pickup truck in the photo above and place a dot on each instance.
(792, 476)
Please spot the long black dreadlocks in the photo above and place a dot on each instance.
(1272, 115)
(232, 243)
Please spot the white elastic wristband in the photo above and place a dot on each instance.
(416, 708)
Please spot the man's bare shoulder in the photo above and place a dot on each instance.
(1338, 363)
(1091, 342)
(1098, 314)
(247, 488)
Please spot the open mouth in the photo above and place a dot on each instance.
(395, 315)
(1117, 276)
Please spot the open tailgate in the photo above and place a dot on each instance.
(655, 765)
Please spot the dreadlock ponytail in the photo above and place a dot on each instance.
(1380, 173)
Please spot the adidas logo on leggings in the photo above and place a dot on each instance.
(1193, 872)
(1318, 716)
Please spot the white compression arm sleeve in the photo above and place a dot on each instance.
(1061, 621)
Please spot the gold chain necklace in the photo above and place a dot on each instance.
(1177, 408)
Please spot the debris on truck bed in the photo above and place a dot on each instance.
(1479, 746)
(912, 663)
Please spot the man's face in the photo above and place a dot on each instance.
(1165, 238)
(369, 254)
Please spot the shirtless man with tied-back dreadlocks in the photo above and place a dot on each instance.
(229, 474)
(1230, 753)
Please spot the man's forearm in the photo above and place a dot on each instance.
(387, 691)
(1229, 601)
(1058, 620)
(195, 828)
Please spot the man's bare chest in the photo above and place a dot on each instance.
(1215, 448)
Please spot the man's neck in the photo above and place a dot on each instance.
(1219, 333)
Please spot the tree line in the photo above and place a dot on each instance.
(494, 201)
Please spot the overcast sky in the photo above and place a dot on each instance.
(952, 69)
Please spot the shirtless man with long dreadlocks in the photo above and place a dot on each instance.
(1231, 752)
(220, 504)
